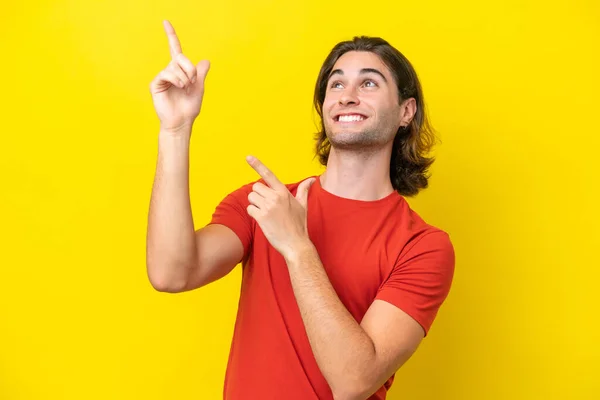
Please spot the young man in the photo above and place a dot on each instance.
(341, 279)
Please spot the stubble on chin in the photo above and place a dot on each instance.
(354, 139)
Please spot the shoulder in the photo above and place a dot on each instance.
(418, 227)
(431, 242)
(425, 240)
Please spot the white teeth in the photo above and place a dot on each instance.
(350, 118)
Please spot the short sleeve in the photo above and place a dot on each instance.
(420, 281)
(232, 212)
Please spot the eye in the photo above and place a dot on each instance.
(370, 83)
(335, 85)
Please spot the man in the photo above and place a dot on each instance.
(341, 279)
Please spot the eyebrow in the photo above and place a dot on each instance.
(362, 72)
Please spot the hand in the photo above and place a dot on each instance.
(280, 215)
(178, 89)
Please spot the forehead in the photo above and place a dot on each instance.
(352, 62)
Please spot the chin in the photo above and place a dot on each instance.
(354, 140)
(346, 132)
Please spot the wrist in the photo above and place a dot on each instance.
(173, 152)
(184, 130)
(302, 250)
(167, 139)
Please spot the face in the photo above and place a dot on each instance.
(361, 107)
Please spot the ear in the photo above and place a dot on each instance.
(408, 109)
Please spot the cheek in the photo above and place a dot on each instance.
(390, 107)
(329, 102)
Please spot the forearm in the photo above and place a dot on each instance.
(341, 347)
(171, 245)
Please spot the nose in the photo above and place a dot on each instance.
(348, 96)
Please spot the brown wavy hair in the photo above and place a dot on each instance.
(409, 163)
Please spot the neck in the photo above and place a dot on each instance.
(358, 176)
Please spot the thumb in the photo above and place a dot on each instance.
(302, 192)
(202, 70)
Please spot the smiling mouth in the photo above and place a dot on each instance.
(350, 118)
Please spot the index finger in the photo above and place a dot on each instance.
(265, 173)
(174, 45)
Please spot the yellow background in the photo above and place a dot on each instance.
(512, 89)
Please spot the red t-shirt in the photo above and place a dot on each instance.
(370, 250)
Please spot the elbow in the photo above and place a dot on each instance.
(348, 394)
(164, 282)
(167, 287)
(353, 389)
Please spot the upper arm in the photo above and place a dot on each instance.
(395, 336)
(219, 251)
(407, 303)
(225, 241)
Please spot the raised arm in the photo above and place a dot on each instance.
(179, 258)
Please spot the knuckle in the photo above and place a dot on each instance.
(184, 63)
(180, 58)
(173, 67)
